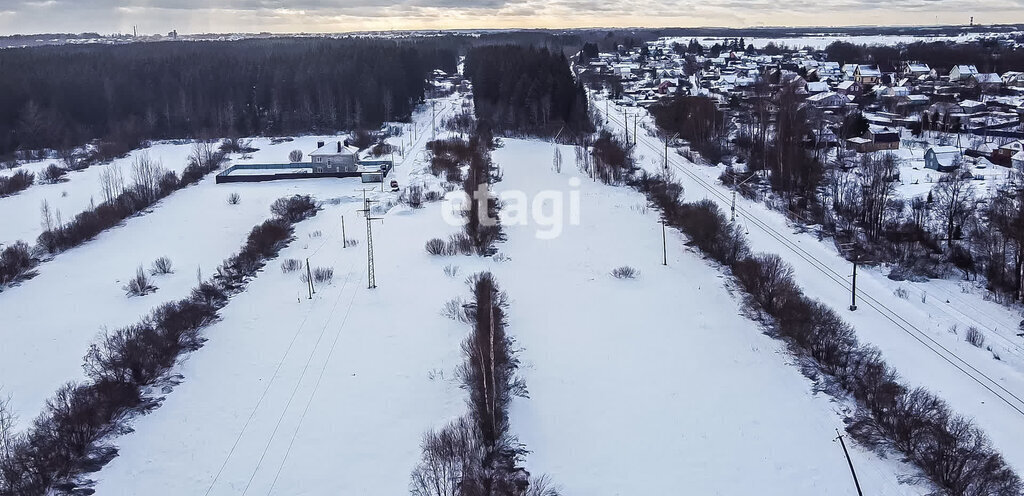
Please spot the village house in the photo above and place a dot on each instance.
(916, 69)
(986, 82)
(867, 75)
(962, 72)
(828, 99)
(849, 88)
(875, 139)
(334, 157)
(943, 158)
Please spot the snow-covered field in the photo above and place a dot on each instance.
(637, 386)
(914, 333)
(655, 385)
(821, 41)
(81, 189)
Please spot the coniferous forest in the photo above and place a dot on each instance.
(60, 97)
(526, 90)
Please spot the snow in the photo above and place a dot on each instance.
(647, 386)
(76, 194)
(914, 333)
(637, 386)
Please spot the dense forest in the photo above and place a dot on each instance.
(526, 90)
(60, 97)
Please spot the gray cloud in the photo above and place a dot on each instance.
(352, 15)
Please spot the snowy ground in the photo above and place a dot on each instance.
(645, 386)
(824, 40)
(195, 227)
(914, 334)
(70, 197)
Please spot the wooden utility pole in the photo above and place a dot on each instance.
(849, 461)
(853, 290)
(309, 280)
(433, 119)
(664, 243)
(344, 239)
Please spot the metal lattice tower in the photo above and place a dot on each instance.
(371, 281)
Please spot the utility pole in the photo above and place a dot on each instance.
(344, 239)
(309, 280)
(664, 243)
(667, 140)
(371, 281)
(848, 460)
(433, 119)
(853, 292)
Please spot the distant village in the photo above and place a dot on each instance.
(960, 115)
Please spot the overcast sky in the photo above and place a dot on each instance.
(209, 16)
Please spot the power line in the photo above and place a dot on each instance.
(892, 316)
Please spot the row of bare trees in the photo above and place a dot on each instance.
(73, 437)
(150, 183)
(948, 449)
(476, 455)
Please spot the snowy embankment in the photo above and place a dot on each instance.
(913, 333)
(649, 385)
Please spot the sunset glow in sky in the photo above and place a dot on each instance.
(208, 16)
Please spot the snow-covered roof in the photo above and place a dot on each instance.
(817, 87)
(334, 148)
(869, 70)
(971, 103)
(918, 67)
(965, 70)
(988, 77)
(945, 150)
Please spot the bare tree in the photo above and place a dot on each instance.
(295, 156)
(146, 174)
(111, 182)
(452, 460)
(953, 195)
(47, 216)
(556, 162)
(877, 188)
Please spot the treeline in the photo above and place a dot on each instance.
(525, 90)
(482, 227)
(60, 97)
(73, 436)
(987, 55)
(948, 449)
(121, 200)
(476, 455)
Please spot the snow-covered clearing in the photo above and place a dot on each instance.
(22, 219)
(645, 386)
(819, 42)
(914, 333)
(51, 319)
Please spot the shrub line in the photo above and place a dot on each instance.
(949, 450)
(126, 371)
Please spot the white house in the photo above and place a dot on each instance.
(334, 157)
(962, 72)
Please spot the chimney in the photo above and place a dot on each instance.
(339, 147)
(319, 144)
